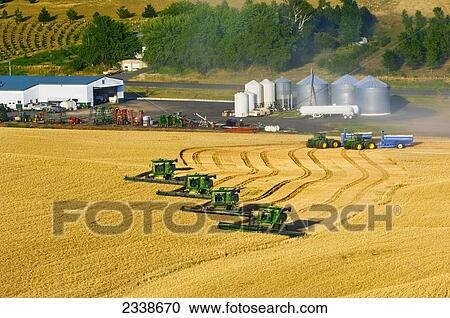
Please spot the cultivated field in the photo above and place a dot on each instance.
(43, 166)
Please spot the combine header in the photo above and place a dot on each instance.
(197, 186)
(163, 171)
(321, 141)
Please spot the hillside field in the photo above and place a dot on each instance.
(42, 166)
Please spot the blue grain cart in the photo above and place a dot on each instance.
(395, 141)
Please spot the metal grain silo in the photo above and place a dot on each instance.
(283, 93)
(251, 101)
(241, 105)
(269, 93)
(306, 98)
(257, 89)
(373, 97)
(343, 91)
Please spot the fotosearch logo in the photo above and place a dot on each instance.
(88, 213)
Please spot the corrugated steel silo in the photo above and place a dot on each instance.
(269, 93)
(283, 93)
(343, 91)
(373, 97)
(240, 105)
(304, 96)
(257, 89)
(251, 101)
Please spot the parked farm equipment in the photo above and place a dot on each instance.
(163, 171)
(196, 186)
(321, 141)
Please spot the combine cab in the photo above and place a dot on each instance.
(223, 201)
(321, 141)
(266, 219)
(357, 141)
(395, 141)
(162, 172)
(195, 186)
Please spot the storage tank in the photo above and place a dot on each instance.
(304, 96)
(283, 93)
(343, 91)
(257, 89)
(373, 97)
(251, 101)
(269, 93)
(241, 105)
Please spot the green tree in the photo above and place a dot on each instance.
(350, 22)
(392, 61)
(44, 15)
(18, 16)
(411, 41)
(106, 41)
(4, 14)
(124, 13)
(3, 114)
(72, 15)
(324, 41)
(437, 39)
(149, 12)
(177, 8)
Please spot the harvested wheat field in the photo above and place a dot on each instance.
(43, 166)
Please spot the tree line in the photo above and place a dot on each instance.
(424, 42)
(200, 36)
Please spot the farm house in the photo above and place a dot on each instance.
(22, 90)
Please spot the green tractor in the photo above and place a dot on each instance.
(357, 141)
(223, 201)
(320, 141)
(269, 219)
(195, 186)
(173, 120)
(163, 171)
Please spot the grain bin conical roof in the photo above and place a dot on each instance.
(371, 82)
(308, 80)
(346, 80)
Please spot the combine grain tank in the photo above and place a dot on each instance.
(373, 97)
(269, 93)
(343, 91)
(257, 89)
(283, 93)
(251, 101)
(306, 98)
(241, 106)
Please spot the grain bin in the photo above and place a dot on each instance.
(241, 105)
(343, 91)
(251, 101)
(304, 96)
(283, 93)
(373, 97)
(257, 89)
(269, 93)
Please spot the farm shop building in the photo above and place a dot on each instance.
(90, 90)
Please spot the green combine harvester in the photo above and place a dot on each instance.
(321, 141)
(163, 171)
(224, 201)
(265, 219)
(196, 186)
(357, 141)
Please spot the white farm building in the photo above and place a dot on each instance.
(22, 90)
